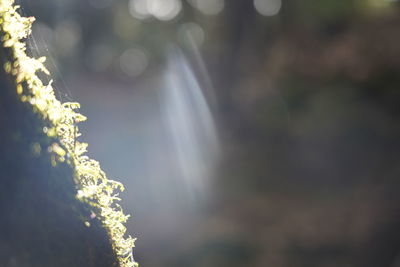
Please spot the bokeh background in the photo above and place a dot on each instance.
(247, 132)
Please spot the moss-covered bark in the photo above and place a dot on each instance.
(41, 221)
(56, 204)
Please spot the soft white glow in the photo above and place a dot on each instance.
(164, 9)
(190, 124)
(208, 7)
(138, 9)
(161, 9)
(191, 33)
(133, 62)
(268, 7)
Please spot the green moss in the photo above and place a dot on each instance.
(59, 125)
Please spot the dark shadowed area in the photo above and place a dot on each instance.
(247, 132)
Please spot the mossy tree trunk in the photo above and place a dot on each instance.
(41, 221)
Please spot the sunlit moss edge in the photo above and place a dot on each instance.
(93, 187)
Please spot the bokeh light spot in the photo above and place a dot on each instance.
(138, 9)
(164, 9)
(190, 33)
(133, 62)
(160, 9)
(268, 7)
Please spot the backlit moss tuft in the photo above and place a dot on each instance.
(93, 187)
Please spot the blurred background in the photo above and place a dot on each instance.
(247, 133)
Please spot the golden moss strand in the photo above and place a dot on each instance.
(92, 184)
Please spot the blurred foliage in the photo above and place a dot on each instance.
(307, 108)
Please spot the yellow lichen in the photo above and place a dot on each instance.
(93, 187)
